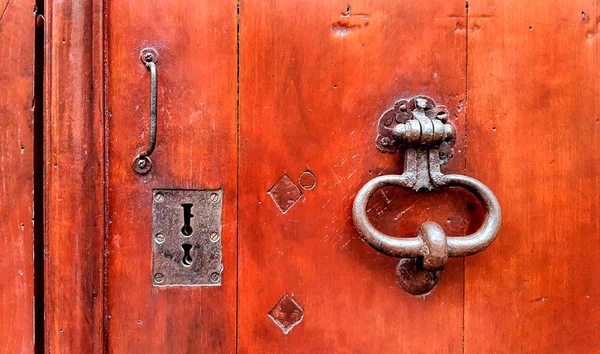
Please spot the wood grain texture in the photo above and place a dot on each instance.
(196, 149)
(17, 29)
(74, 177)
(314, 79)
(533, 132)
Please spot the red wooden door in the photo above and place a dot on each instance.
(312, 89)
(274, 107)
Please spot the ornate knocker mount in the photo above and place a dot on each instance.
(422, 128)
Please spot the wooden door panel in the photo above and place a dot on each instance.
(74, 177)
(17, 35)
(196, 149)
(532, 138)
(314, 79)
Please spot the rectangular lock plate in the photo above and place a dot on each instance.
(186, 237)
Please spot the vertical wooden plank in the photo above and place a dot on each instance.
(533, 133)
(17, 35)
(314, 79)
(74, 172)
(196, 149)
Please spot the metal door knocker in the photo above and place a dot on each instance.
(422, 127)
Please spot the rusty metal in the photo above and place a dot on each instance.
(422, 127)
(186, 237)
(307, 180)
(287, 313)
(414, 279)
(285, 193)
(142, 163)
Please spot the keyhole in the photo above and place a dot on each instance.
(186, 230)
(187, 257)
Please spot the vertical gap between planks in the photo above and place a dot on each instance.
(105, 113)
(465, 159)
(237, 203)
(38, 179)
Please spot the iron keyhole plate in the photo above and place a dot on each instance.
(186, 237)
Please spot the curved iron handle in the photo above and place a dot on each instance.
(425, 255)
(142, 163)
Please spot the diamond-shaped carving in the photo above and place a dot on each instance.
(287, 313)
(285, 193)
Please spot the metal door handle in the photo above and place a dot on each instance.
(421, 126)
(142, 163)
